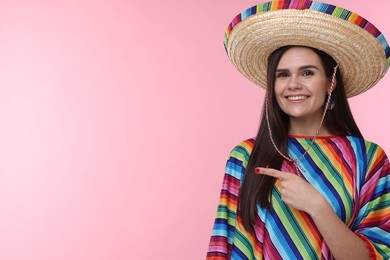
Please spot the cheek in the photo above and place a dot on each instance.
(322, 94)
(278, 92)
(278, 89)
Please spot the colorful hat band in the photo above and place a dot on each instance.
(263, 28)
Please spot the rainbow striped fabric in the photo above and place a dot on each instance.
(314, 6)
(351, 173)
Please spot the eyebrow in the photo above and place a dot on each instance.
(302, 68)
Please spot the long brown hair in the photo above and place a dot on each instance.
(256, 188)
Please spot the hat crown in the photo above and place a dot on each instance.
(264, 24)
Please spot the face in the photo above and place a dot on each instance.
(301, 84)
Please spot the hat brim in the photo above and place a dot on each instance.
(361, 57)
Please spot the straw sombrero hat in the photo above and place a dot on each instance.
(359, 48)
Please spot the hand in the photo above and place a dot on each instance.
(296, 192)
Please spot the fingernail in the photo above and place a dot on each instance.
(257, 170)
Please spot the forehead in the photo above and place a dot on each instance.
(299, 56)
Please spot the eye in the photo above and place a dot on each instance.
(282, 75)
(307, 73)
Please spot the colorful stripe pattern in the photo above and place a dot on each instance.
(352, 174)
(315, 6)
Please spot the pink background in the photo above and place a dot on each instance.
(116, 118)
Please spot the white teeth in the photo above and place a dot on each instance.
(293, 98)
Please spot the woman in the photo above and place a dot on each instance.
(308, 186)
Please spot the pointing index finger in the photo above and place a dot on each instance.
(269, 172)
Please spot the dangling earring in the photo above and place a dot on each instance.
(331, 104)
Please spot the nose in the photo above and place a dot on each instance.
(294, 82)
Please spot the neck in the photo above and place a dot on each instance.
(307, 128)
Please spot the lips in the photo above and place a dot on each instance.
(297, 97)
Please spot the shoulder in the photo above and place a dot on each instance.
(369, 147)
(240, 153)
(377, 158)
(372, 155)
(244, 148)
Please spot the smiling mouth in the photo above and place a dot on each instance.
(295, 98)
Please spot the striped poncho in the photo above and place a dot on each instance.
(351, 173)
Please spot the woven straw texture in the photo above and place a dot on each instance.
(256, 33)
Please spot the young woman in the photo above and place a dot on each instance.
(308, 186)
